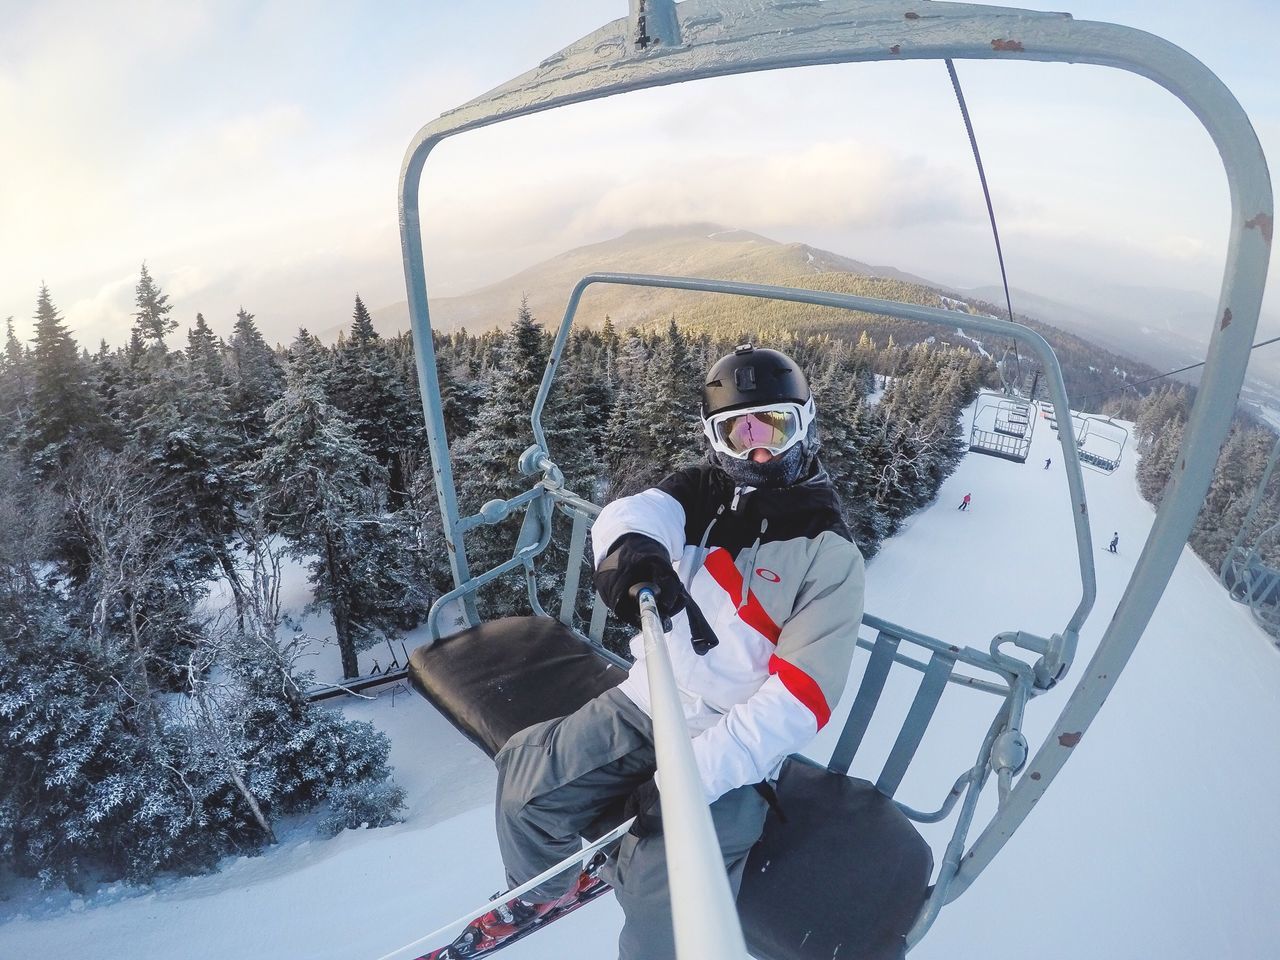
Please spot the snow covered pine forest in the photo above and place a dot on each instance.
(193, 537)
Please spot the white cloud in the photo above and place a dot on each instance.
(844, 184)
(104, 315)
(485, 217)
(247, 141)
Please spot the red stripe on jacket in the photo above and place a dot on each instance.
(720, 565)
(798, 683)
(803, 687)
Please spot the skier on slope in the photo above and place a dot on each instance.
(755, 536)
(964, 504)
(1115, 542)
(1047, 461)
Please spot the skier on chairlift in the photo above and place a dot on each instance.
(752, 539)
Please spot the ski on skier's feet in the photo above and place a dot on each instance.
(481, 938)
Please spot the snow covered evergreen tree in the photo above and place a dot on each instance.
(15, 391)
(848, 428)
(363, 385)
(152, 320)
(63, 405)
(670, 406)
(1160, 431)
(204, 354)
(199, 457)
(255, 380)
(460, 395)
(485, 459)
(326, 493)
(629, 449)
(1235, 478)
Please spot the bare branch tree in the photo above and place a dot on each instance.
(219, 708)
(129, 549)
(261, 613)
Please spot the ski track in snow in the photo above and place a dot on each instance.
(1158, 839)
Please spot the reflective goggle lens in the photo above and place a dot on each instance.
(771, 429)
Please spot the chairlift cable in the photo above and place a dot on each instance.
(986, 193)
(995, 233)
(1161, 376)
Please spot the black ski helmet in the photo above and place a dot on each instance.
(751, 377)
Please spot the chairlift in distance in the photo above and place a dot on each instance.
(1002, 427)
(494, 678)
(1101, 442)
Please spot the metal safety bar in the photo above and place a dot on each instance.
(917, 722)
(999, 445)
(703, 911)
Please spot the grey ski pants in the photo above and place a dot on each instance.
(569, 777)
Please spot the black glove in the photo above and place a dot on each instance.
(643, 804)
(633, 559)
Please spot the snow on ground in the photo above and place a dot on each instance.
(1159, 838)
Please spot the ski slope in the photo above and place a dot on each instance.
(1158, 840)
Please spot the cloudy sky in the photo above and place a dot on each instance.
(249, 153)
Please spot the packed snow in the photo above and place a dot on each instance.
(1158, 839)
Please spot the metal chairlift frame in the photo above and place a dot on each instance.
(1092, 458)
(661, 43)
(1012, 418)
(1004, 440)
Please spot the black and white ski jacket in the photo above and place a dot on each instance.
(777, 575)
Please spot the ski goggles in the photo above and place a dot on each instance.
(776, 427)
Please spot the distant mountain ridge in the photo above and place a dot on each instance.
(693, 250)
(1162, 327)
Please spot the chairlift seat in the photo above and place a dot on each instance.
(494, 680)
(844, 875)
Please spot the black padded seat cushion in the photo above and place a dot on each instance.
(844, 876)
(502, 676)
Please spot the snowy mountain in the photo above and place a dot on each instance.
(1158, 840)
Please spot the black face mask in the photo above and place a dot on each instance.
(781, 471)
